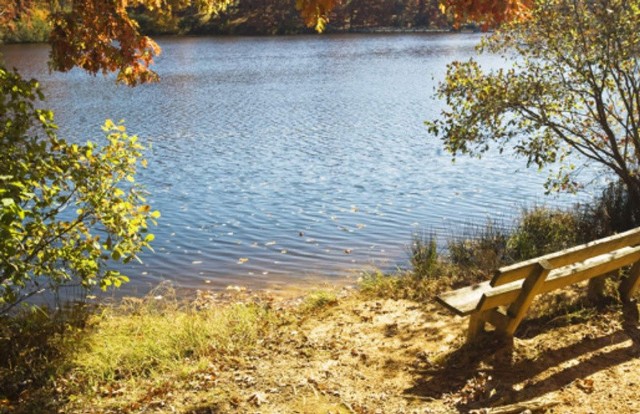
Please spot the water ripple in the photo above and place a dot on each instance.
(281, 158)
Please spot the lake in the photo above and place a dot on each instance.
(296, 158)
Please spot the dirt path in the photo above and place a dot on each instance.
(397, 356)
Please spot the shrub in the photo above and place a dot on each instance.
(612, 212)
(480, 250)
(542, 230)
(423, 255)
(66, 210)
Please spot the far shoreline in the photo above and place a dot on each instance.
(381, 30)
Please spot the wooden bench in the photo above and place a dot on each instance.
(504, 300)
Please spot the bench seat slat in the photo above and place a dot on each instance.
(484, 296)
(565, 257)
(464, 301)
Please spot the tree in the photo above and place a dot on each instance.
(65, 209)
(487, 13)
(101, 35)
(572, 93)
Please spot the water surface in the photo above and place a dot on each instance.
(288, 158)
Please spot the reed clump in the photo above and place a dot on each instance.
(481, 249)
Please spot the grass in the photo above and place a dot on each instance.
(424, 255)
(318, 300)
(480, 250)
(141, 354)
(145, 346)
(379, 284)
(406, 284)
(148, 343)
(152, 337)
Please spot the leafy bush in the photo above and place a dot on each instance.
(542, 230)
(65, 209)
(483, 249)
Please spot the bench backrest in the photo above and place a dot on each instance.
(566, 257)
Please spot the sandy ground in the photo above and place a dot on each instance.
(376, 356)
(398, 356)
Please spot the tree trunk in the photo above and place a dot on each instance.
(634, 201)
(620, 207)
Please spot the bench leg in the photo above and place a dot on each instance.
(476, 326)
(631, 284)
(530, 288)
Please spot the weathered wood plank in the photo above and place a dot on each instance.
(566, 257)
(564, 276)
(631, 284)
(463, 301)
(478, 320)
(476, 326)
(496, 318)
(483, 296)
(530, 288)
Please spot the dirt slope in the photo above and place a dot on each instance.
(397, 356)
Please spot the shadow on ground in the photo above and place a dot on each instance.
(34, 352)
(490, 373)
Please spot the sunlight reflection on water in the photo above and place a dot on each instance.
(283, 158)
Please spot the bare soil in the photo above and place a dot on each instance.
(371, 356)
(398, 356)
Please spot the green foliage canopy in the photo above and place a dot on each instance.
(574, 88)
(65, 209)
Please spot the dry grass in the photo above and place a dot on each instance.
(156, 335)
(121, 356)
(331, 353)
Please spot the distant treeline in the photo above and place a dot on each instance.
(262, 17)
(266, 17)
(28, 29)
